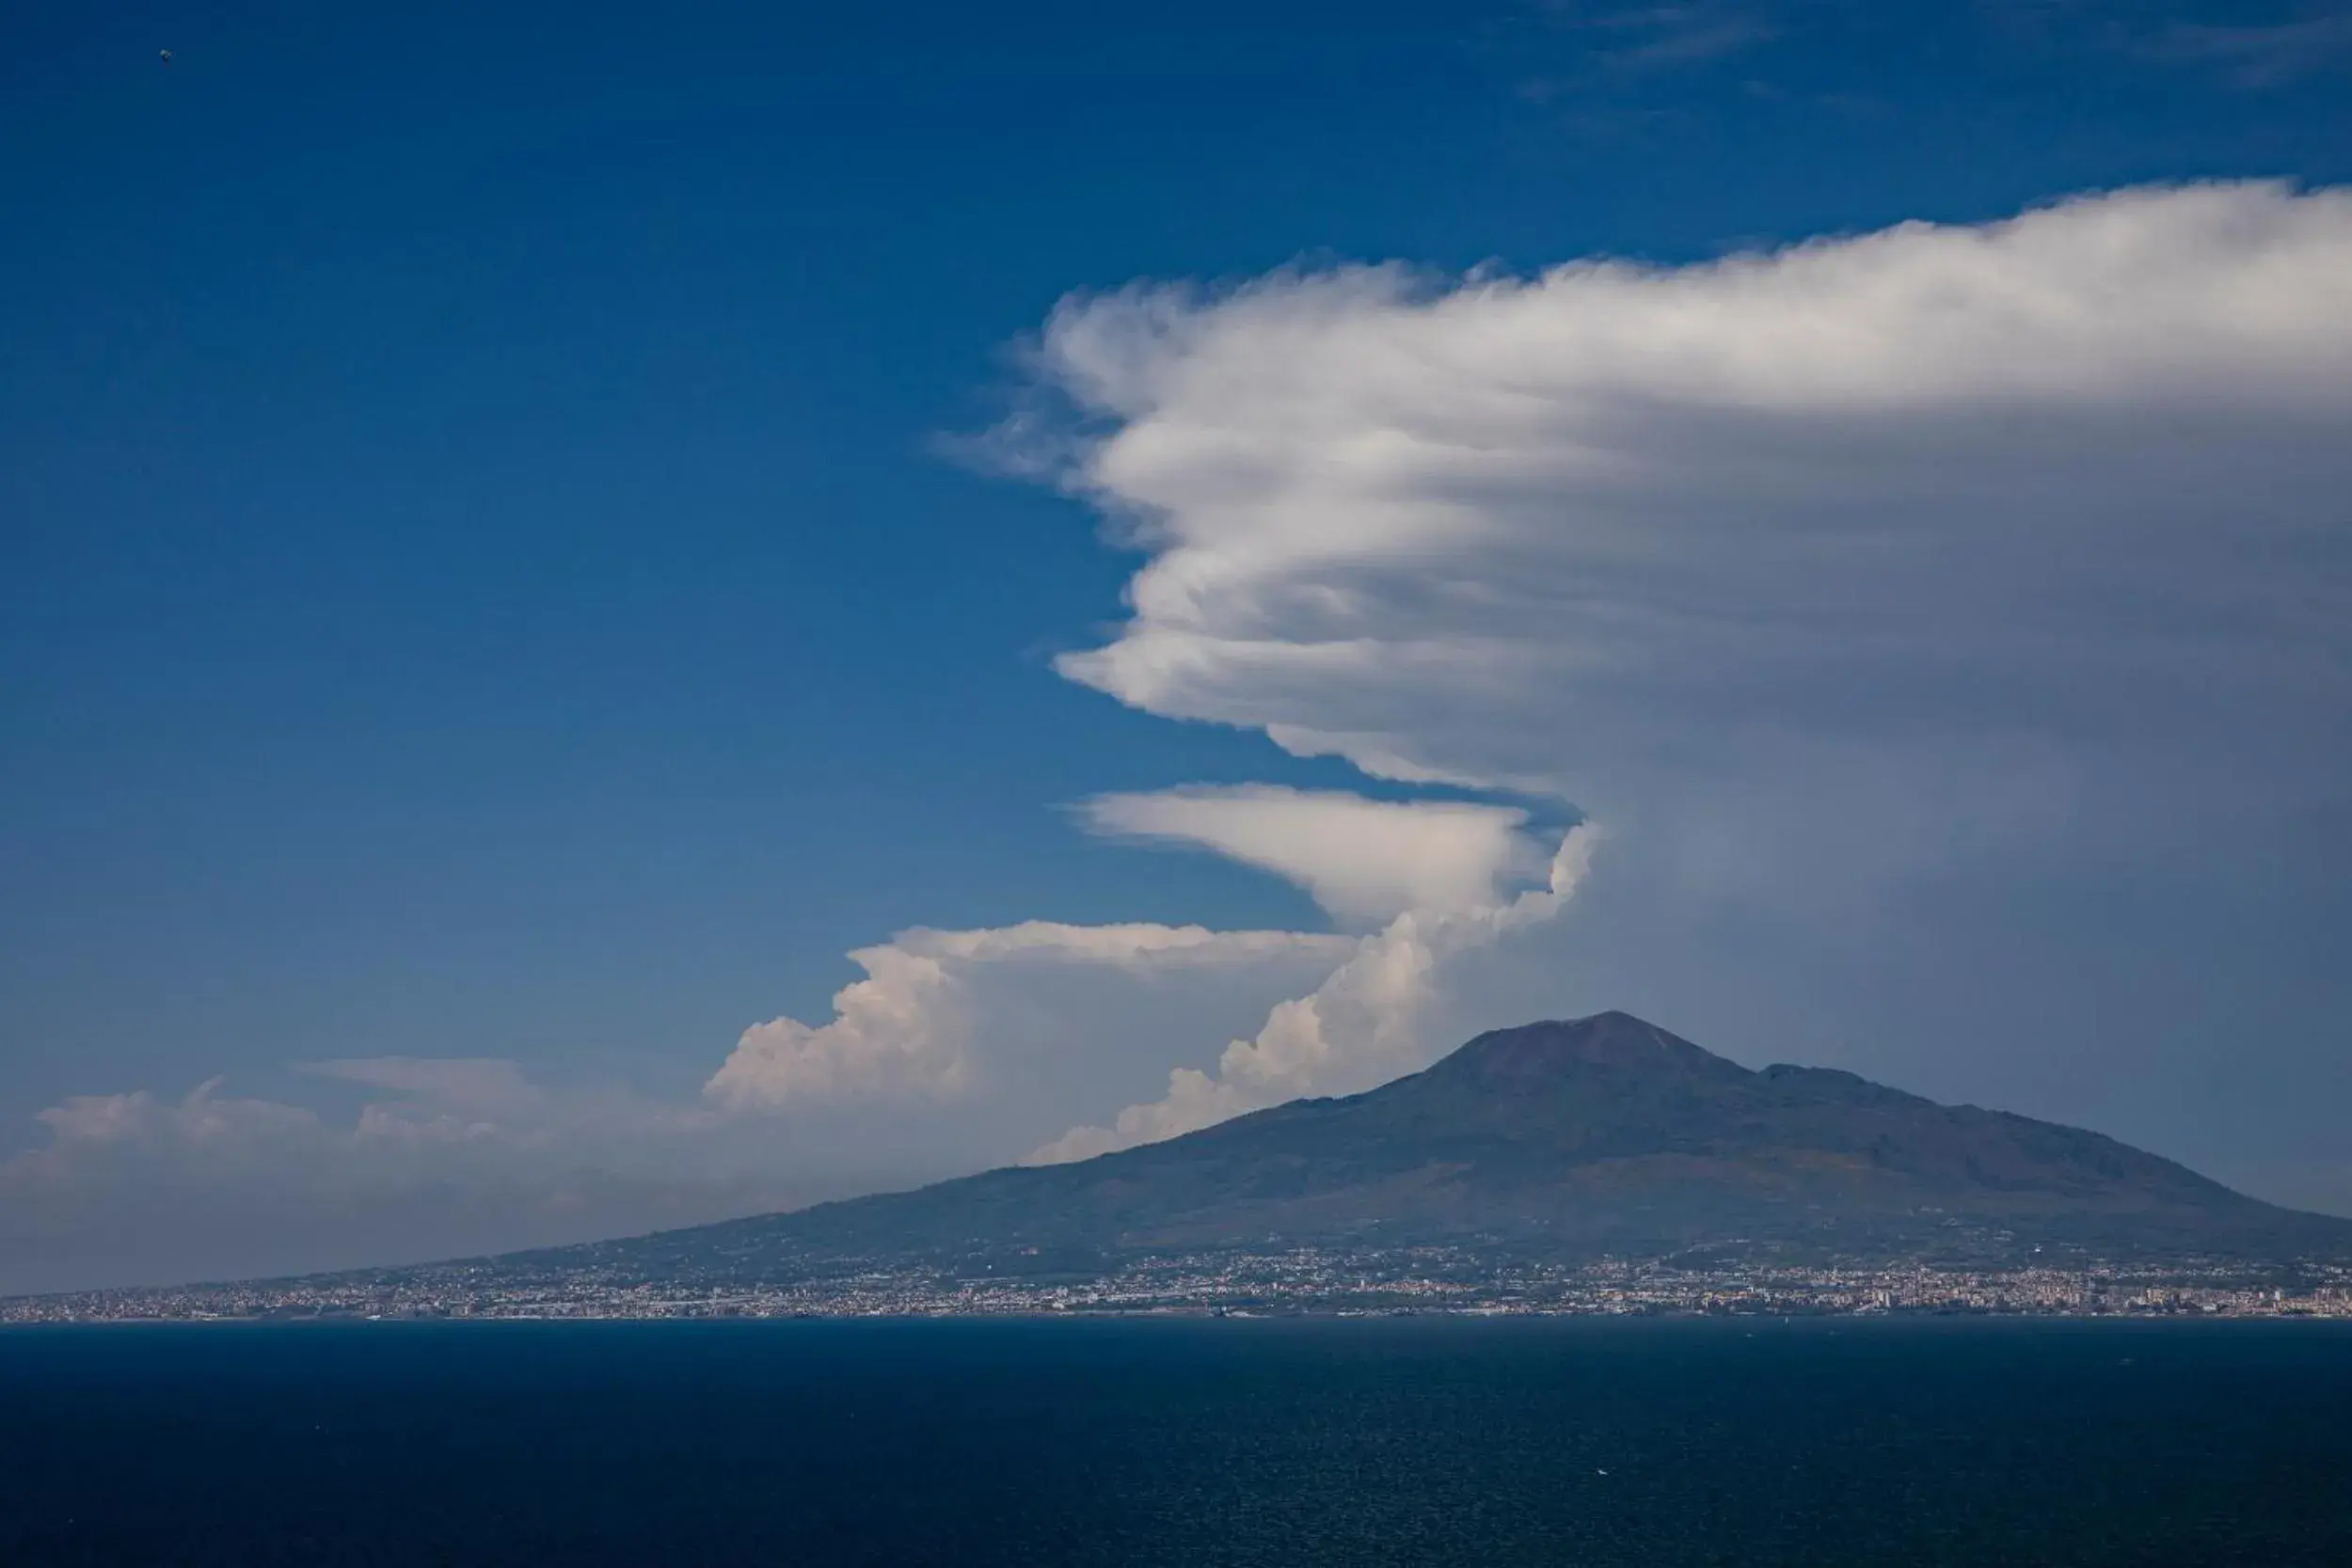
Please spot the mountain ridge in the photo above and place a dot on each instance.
(1604, 1135)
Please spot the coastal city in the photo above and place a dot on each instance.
(1305, 1281)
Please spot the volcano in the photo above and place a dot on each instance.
(1601, 1136)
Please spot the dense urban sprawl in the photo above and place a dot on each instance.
(1304, 1280)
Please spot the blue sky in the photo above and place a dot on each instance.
(489, 571)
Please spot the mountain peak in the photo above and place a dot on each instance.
(1581, 1138)
(1614, 1043)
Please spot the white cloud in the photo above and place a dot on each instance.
(1435, 870)
(1990, 555)
(971, 1044)
(451, 1157)
(1364, 861)
(1858, 589)
(203, 1121)
(492, 1106)
(1834, 556)
(958, 1051)
(908, 1026)
(1365, 1024)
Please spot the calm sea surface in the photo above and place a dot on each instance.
(1192, 1443)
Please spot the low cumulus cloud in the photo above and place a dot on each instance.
(445, 1157)
(1368, 1022)
(1998, 555)
(907, 1028)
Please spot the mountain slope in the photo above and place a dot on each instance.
(1601, 1136)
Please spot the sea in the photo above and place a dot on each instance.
(1274, 1442)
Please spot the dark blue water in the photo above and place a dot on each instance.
(1202, 1443)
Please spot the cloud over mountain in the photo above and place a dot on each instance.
(907, 1028)
(2002, 553)
(1365, 861)
(1844, 553)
